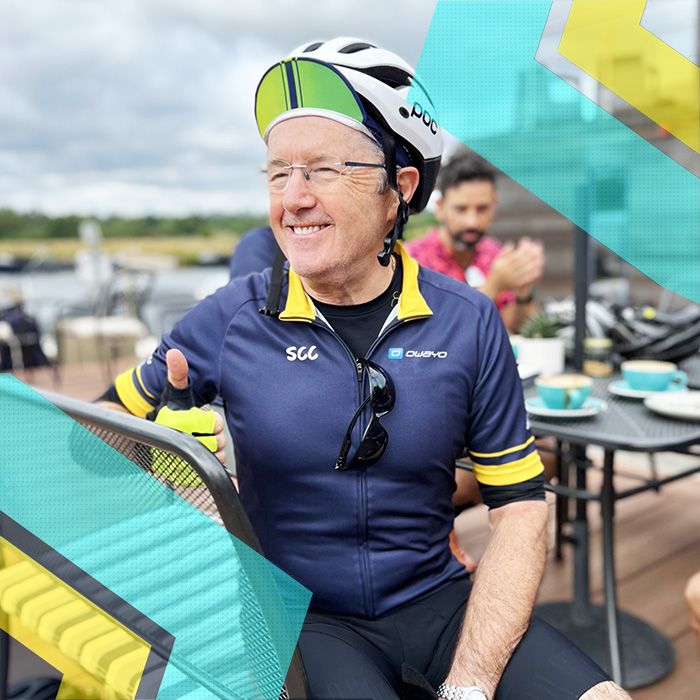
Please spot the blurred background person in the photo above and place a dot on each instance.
(461, 248)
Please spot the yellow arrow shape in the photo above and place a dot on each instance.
(94, 652)
(606, 40)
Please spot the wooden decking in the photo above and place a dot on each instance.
(657, 547)
(657, 550)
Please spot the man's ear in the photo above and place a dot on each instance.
(407, 180)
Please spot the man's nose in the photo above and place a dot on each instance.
(470, 219)
(298, 194)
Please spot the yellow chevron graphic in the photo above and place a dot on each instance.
(99, 658)
(606, 40)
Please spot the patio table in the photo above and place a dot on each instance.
(635, 654)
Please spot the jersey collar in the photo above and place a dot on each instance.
(299, 306)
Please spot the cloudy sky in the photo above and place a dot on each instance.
(146, 106)
(137, 106)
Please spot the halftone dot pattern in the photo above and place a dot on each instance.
(478, 65)
(154, 550)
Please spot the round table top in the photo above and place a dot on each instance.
(627, 424)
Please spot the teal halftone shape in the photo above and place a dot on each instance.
(151, 548)
(478, 66)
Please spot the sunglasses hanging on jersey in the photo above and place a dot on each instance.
(381, 399)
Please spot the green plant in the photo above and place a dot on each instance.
(540, 326)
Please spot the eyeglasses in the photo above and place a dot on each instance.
(320, 176)
(382, 397)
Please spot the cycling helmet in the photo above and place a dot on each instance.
(363, 86)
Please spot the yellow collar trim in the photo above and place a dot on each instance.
(411, 302)
(299, 306)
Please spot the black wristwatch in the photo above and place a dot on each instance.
(525, 300)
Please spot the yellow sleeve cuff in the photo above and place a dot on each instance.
(129, 394)
(509, 473)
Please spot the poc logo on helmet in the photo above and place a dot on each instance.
(301, 353)
(424, 116)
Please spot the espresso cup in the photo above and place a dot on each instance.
(564, 391)
(652, 375)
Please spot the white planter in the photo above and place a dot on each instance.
(540, 355)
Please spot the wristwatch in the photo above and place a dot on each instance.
(460, 692)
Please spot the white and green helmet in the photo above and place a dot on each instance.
(362, 86)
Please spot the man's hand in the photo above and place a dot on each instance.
(517, 267)
(180, 413)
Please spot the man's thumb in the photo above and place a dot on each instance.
(177, 368)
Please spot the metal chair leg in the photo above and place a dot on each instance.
(607, 506)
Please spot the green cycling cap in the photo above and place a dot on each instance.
(304, 87)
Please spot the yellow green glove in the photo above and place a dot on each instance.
(177, 411)
(198, 422)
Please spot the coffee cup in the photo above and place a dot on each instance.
(653, 375)
(564, 391)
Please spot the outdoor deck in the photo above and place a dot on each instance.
(657, 550)
(657, 547)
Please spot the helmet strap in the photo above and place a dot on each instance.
(402, 212)
(274, 292)
(390, 239)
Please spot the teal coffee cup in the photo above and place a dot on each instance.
(653, 375)
(564, 391)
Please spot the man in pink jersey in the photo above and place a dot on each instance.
(460, 248)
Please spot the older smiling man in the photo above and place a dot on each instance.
(349, 406)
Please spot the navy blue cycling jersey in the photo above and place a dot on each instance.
(364, 541)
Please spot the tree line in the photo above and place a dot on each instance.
(36, 226)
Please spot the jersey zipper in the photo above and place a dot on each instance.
(360, 482)
(362, 474)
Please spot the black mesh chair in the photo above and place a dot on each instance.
(193, 473)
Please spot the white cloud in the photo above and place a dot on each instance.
(125, 106)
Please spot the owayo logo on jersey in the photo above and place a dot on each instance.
(439, 354)
(301, 353)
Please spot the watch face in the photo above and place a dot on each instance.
(475, 694)
(453, 692)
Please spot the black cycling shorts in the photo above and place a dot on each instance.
(354, 658)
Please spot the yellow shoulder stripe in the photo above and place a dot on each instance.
(508, 451)
(129, 395)
(510, 473)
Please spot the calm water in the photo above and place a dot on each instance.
(161, 296)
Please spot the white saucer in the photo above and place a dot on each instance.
(685, 405)
(622, 388)
(591, 407)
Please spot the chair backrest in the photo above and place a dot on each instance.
(193, 473)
